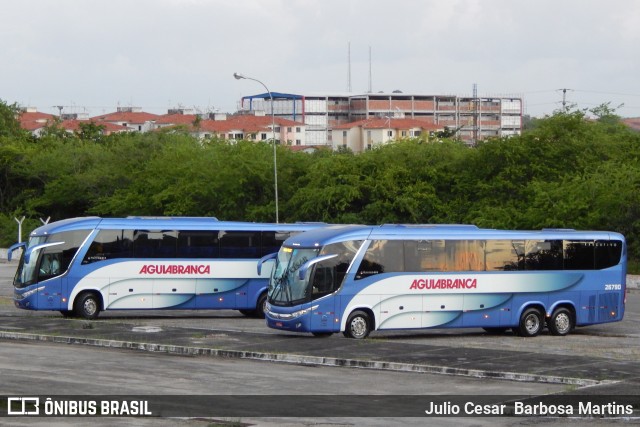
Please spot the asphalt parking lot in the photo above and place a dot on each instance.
(604, 355)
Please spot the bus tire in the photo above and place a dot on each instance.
(561, 322)
(260, 306)
(531, 323)
(87, 306)
(358, 325)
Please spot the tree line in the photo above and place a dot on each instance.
(567, 170)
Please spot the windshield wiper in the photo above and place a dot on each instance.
(282, 290)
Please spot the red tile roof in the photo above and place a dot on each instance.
(175, 119)
(35, 117)
(127, 117)
(632, 122)
(244, 123)
(74, 125)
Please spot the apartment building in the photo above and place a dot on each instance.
(472, 119)
(368, 134)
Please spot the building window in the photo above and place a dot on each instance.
(288, 129)
(297, 129)
(263, 136)
(344, 133)
(277, 129)
(298, 142)
(404, 133)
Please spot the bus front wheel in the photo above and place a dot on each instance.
(358, 325)
(531, 323)
(87, 306)
(261, 306)
(561, 321)
(257, 312)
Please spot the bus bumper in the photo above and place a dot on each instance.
(288, 322)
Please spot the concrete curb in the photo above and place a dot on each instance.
(302, 359)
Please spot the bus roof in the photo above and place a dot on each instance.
(166, 223)
(333, 234)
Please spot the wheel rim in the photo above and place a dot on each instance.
(562, 322)
(358, 327)
(90, 307)
(532, 323)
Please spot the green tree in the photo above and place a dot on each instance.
(9, 123)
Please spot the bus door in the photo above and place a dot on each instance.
(51, 281)
(325, 280)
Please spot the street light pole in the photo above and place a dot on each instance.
(239, 76)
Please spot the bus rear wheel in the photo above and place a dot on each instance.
(531, 323)
(561, 321)
(358, 325)
(87, 306)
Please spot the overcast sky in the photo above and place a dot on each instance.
(94, 55)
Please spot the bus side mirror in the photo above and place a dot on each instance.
(15, 247)
(303, 269)
(265, 259)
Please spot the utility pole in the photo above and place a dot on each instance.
(564, 98)
(475, 113)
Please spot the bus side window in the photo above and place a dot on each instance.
(579, 255)
(608, 253)
(271, 241)
(382, 256)
(239, 244)
(50, 265)
(109, 244)
(543, 255)
(198, 244)
(504, 255)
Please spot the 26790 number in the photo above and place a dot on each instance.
(616, 287)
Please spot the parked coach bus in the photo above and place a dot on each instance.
(356, 279)
(82, 266)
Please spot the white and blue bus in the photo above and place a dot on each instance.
(357, 279)
(82, 266)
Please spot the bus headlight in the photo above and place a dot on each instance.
(290, 316)
(27, 294)
(297, 314)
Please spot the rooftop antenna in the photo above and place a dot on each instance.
(349, 67)
(370, 83)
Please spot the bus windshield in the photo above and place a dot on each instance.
(26, 272)
(285, 287)
(51, 261)
(324, 277)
